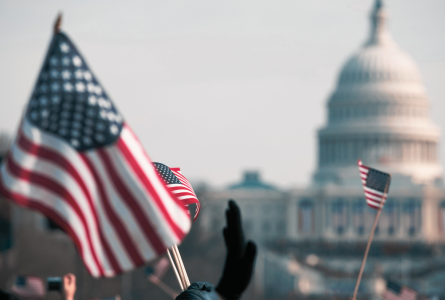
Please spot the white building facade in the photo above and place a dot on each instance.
(378, 112)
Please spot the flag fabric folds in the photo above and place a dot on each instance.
(395, 291)
(179, 185)
(374, 184)
(29, 287)
(77, 161)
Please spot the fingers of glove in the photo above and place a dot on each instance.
(249, 260)
(226, 237)
(235, 229)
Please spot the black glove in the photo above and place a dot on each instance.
(240, 258)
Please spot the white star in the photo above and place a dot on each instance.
(118, 118)
(103, 114)
(55, 99)
(86, 140)
(110, 116)
(66, 61)
(44, 113)
(87, 75)
(75, 143)
(91, 87)
(34, 115)
(43, 101)
(102, 102)
(53, 61)
(100, 126)
(44, 76)
(80, 87)
(54, 73)
(64, 47)
(43, 88)
(55, 87)
(114, 130)
(92, 100)
(78, 74)
(99, 137)
(66, 74)
(75, 133)
(63, 131)
(98, 90)
(68, 87)
(77, 61)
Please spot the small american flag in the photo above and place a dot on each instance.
(29, 287)
(374, 183)
(395, 291)
(77, 161)
(179, 186)
(156, 274)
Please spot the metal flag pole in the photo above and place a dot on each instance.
(371, 236)
(176, 271)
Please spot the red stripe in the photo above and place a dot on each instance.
(121, 231)
(54, 157)
(150, 233)
(53, 186)
(151, 190)
(33, 204)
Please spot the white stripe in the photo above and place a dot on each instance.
(59, 146)
(177, 213)
(144, 200)
(122, 211)
(372, 202)
(56, 204)
(368, 195)
(181, 191)
(186, 197)
(372, 191)
(54, 172)
(147, 204)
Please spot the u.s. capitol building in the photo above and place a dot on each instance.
(314, 238)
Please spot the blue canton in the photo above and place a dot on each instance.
(166, 174)
(70, 103)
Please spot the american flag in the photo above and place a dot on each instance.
(179, 186)
(395, 291)
(29, 287)
(374, 183)
(77, 161)
(156, 274)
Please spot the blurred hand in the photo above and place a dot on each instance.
(69, 286)
(240, 258)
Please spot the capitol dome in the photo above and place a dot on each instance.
(379, 112)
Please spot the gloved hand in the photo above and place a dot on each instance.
(240, 258)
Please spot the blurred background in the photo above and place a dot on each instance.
(269, 103)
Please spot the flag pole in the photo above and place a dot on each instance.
(176, 271)
(187, 281)
(177, 259)
(371, 236)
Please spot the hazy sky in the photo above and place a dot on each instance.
(218, 87)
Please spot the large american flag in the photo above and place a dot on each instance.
(77, 161)
(179, 185)
(374, 183)
(29, 287)
(395, 291)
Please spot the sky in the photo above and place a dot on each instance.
(218, 87)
